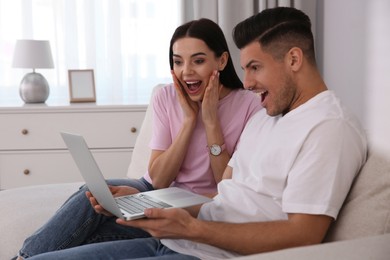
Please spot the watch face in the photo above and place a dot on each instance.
(215, 149)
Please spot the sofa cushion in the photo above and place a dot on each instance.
(375, 247)
(366, 210)
(25, 209)
(141, 153)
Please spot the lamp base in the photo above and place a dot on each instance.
(34, 88)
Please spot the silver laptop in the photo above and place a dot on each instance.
(126, 207)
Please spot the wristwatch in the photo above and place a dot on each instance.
(216, 149)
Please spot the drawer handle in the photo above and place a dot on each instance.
(24, 132)
(26, 172)
(133, 129)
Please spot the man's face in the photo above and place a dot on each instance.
(269, 78)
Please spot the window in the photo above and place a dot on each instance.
(125, 42)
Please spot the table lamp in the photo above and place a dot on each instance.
(33, 54)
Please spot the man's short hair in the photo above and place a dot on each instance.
(277, 30)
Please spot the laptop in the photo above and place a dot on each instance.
(126, 207)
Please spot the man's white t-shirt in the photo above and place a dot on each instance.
(302, 162)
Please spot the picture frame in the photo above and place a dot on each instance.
(82, 85)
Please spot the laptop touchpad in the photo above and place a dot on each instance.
(174, 196)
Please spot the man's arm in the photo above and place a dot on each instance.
(251, 238)
(243, 238)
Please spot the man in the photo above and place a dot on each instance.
(292, 170)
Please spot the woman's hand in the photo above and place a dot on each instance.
(190, 108)
(211, 99)
(116, 191)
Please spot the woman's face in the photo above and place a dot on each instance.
(193, 64)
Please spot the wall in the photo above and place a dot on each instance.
(354, 54)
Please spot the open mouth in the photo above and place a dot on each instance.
(193, 86)
(263, 95)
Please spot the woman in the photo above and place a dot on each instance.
(197, 123)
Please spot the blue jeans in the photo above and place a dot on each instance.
(142, 248)
(76, 223)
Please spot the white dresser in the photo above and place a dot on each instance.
(33, 152)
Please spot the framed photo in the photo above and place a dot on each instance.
(82, 86)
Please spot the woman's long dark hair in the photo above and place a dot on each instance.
(209, 32)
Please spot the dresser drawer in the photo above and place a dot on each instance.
(42, 130)
(44, 167)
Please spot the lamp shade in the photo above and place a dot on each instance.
(32, 54)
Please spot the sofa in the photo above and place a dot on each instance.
(362, 230)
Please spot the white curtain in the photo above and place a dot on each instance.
(227, 13)
(125, 41)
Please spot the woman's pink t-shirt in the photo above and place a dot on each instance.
(196, 174)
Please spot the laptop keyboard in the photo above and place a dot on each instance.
(137, 204)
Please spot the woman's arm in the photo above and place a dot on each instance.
(212, 125)
(219, 162)
(164, 166)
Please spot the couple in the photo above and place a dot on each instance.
(288, 176)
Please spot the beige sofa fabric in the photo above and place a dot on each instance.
(25, 209)
(368, 248)
(366, 211)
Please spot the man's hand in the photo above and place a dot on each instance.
(165, 223)
(116, 191)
